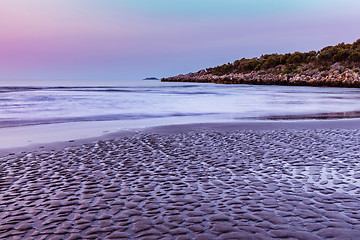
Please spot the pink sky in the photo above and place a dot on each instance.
(120, 39)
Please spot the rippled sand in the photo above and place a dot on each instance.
(248, 184)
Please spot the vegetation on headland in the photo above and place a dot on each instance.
(331, 66)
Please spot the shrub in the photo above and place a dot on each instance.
(271, 62)
(250, 65)
(286, 71)
(341, 55)
(347, 54)
(258, 67)
(325, 56)
(356, 44)
(355, 57)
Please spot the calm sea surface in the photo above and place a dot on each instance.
(20, 106)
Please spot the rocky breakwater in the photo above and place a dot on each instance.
(334, 77)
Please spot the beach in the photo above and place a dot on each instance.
(281, 179)
(179, 120)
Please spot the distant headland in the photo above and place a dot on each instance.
(151, 78)
(333, 66)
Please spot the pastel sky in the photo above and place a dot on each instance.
(106, 41)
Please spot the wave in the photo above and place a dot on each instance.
(4, 123)
(174, 90)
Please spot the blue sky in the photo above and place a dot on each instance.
(106, 41)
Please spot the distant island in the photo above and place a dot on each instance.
(333, 66)
(151, 78)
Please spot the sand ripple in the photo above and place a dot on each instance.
(272, 184)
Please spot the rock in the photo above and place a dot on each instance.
(333, 78)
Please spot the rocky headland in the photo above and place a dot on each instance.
(333, 66)
(331, 78)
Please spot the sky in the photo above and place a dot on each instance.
(107, 41)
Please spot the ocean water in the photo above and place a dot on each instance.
(133, 100)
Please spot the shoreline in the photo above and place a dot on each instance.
(333, 78)
(74, 138)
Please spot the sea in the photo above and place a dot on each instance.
(172, 103)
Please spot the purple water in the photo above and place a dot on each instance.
(20, 106)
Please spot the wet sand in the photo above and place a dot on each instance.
(189, 182)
